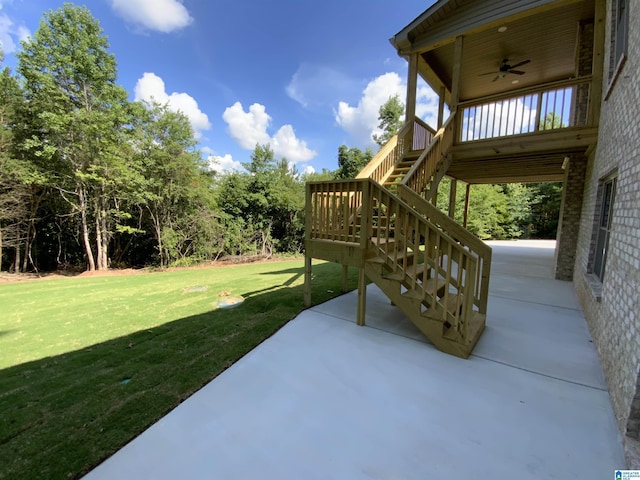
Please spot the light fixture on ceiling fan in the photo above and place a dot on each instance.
(506, 69)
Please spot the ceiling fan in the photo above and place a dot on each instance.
(505, 69)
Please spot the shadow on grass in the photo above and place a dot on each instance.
(63, 415)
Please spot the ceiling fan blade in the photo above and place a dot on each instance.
(520, 64)
(517, 72)
(497, 77)
(488, 73)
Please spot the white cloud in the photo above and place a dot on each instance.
(361, 121)
(308, 170)
(319, 86)
(151, 87)
(11, 34)
(249, 128)
(160, 15)
(223, 164)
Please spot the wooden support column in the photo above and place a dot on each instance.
(307, 281)
(412, 89)
(345, 278)
(452, 198)
(457, 67)
(466, 205)
(442, 94)
(362, 297)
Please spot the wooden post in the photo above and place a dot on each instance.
(452, 197)
(441, 108)
(362, 297)
(307, 280)
(345, 278)
(466, 205)
(307, 241)
(412, 88)
(434, 198)
(455, 81)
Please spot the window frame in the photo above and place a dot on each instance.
(619, 40)
(603, 225)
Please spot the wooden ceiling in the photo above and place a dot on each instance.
(547, 39)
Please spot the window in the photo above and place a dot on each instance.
(604, 226)
(619, 29)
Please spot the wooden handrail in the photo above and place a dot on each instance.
(447, 250)
(437, 251)
(460, 235)
(381, 165)
(425, 167)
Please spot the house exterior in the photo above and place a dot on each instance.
(538, 90)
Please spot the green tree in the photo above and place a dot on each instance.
(551, 121)
(78, 113)
(13, 192)
(390, 115)
(263, 206)
(351, 161)
(544, 204)
(173, 191)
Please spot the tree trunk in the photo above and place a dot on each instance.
(85, 228)
(158, 232)
(0, 249)
(16, 264)
(103, 240)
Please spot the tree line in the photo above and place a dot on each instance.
(91, 180)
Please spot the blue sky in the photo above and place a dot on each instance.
(302, 75)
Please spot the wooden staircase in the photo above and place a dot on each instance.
(431, 268)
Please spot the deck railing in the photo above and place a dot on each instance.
(558, 105)
(364, 214)
(476, 247)
(421, 136)
(411, 137)
(435, 255)
(425, 167)
(332, 210)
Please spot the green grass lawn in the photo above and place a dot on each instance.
(88, 363)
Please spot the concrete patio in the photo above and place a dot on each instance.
(326, 399)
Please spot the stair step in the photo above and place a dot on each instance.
(382, 241)
(452, 303)
(431, 287)
(398, 277)
(376, 260)
(476, 323)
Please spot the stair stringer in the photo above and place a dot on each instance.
(433, 328)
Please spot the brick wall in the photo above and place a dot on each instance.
(573, 187)
(570, 213)
(614, 319)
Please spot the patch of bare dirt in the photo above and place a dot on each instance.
(228, 261)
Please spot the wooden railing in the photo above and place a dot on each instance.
(434, 254)
(412, 136)
(364, 214)
(476, 247)
(552, 106)
(382, 164)
(425, 167)
(332, 208)
(421, 136)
